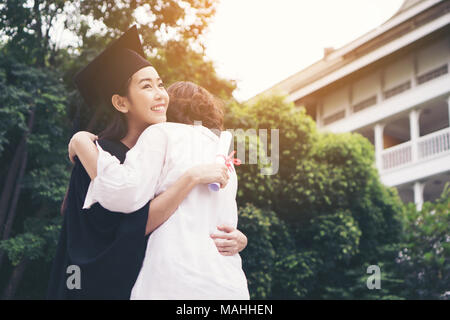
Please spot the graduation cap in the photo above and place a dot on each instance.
(109, 71)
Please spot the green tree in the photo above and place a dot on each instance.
(270, 242)
(33, 117)
(425, 256)
(28, 25)
(328, 193)
(38, 101)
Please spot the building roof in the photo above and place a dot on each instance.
(406, 5)
(336, 59)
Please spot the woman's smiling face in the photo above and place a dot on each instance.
(147, 98)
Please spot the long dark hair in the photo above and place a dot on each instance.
(117, 125)
(116, 129)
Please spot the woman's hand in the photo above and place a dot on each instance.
(210, 173)
(165, 204)
(230, 243)
(76, 138)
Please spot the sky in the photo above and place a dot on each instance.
(258, 43)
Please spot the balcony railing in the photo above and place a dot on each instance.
(433, 74)
(397, 90)
(430, 145)
(434, 143)
(375, 100)
(334, 117)
(397, 155)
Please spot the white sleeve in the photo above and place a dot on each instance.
(129, 186)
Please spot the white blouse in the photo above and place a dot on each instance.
(181, 261)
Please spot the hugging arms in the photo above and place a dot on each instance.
(229, 242)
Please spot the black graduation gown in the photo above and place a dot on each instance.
(108, 247)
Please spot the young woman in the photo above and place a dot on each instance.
(181, 260)
(100, 252)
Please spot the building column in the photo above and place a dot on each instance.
(414, 71)
(448, 108)
(379, 145)
(319, 113)
(380, 95)
(414, 133)
(418, 194)
(348, 107)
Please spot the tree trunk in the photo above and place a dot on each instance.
(13, 170)
(15, 200)
(9, 182)
(18, 185)
(15, 279)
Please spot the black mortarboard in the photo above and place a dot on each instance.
(110, 70)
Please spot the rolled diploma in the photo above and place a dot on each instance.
(221, 153)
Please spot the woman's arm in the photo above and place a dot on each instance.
(82, 145)
(164, 205)
(129, 186)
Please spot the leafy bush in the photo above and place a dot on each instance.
(327, 193)
(425, 258)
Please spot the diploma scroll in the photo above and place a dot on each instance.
(221, 154)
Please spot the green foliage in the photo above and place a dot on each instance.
(24, 245)
(296, 137)
(185, 19)
(296, 275)
(335, 237)
(339, 216)
(27, 24)
(14, 99)
(25, 89)
(328, 194)
(270, 240)
(425, 257)
(38, 241)
(49, 183)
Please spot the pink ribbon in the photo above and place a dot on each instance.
(230, 160)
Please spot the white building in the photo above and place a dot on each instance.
(391, 85)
